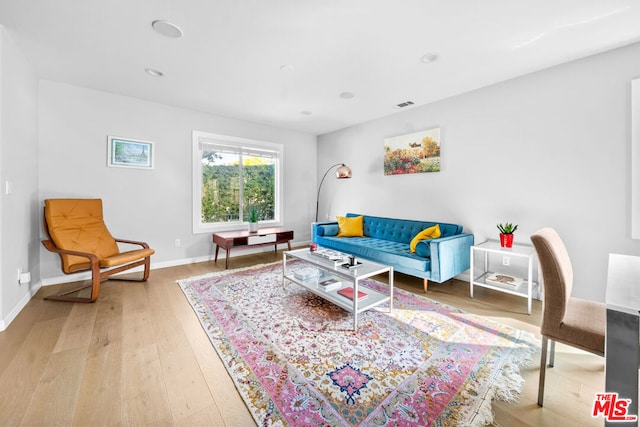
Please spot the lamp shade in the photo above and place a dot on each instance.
(343, 172)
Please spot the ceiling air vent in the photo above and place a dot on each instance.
(404, 104)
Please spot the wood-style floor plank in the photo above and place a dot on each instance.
(187, 390)
(100, 398)
(54, 400)
(144, 393)
(139, 356)
(22, 375)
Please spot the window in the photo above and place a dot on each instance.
(231, 177)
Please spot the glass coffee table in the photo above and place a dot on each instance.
(343, 280)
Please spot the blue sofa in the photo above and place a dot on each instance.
(387, 241)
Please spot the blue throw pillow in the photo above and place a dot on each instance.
(423, 249)
(328, 230)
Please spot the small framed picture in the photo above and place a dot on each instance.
(130, 153)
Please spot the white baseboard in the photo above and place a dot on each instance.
(4, 323)
(464, 276)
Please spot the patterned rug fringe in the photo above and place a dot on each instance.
(507, 388)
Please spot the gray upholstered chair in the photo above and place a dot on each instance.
(572, 321)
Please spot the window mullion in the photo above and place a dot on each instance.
(241, 186)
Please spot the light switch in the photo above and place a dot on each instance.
(8, 187)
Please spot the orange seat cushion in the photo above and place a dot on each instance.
(126, 257)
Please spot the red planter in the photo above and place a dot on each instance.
(506, 240)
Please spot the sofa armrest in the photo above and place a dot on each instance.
(450, 256)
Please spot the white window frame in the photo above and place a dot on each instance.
(243, 143)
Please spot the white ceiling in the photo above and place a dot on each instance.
(229, 60)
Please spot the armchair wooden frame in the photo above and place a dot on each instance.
(97, 274)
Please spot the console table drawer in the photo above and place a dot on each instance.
(266, 238)
(243, 238)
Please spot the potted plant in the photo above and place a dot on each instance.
(506, 234)
(253, 219)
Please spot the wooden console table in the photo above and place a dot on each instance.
(265, 236)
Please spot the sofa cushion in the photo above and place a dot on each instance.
(380, 250)
(427, 233)
(350, 227)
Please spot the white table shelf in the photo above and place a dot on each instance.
(350, 278)
(489, 247)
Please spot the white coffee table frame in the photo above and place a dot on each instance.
(353, 276)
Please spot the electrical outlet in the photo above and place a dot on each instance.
(177, 243)
(506, 261)
(24, 278)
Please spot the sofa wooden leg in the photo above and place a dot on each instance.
(425, 284)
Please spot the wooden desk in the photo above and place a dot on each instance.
(265, 236)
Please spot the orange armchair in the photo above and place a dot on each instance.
(76, 231)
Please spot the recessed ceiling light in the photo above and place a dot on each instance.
(346, 95)
(167, 28)
(154, 73)
(428, 58)
(305, 113)
(286, 68)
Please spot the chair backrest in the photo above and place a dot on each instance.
(77, 225)
(557, 276)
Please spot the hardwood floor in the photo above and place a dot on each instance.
(138, 356)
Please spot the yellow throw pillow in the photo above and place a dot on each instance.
(350, 227)
(427, 233)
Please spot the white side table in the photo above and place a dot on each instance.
(492, 247)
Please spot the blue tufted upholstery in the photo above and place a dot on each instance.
(402, 230)
(387, 241)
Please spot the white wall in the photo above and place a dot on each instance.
(19, 212)
(547, 149)
(150, 205)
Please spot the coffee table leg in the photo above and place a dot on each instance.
(217, 249)
(355, 305)
(355, 321)
(226, 260)
(391, 290)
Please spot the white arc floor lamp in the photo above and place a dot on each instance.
(343, 172)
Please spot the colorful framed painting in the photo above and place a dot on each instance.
(130, 153)
(417, 152)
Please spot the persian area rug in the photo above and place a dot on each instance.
(296, 360)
